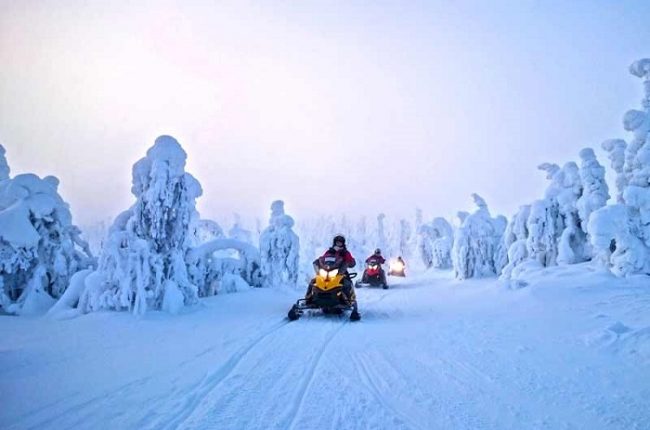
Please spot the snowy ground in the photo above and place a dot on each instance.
(569, 351)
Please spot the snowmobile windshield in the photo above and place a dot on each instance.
(330, 263)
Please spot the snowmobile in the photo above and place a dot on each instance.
(372, 276)
(397, 268)
(326, 292)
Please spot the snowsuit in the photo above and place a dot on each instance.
(378, 258)
(348, 262)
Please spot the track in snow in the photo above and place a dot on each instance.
(428, 353)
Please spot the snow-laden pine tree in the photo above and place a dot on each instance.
(435, 243)
(476, 243)
(595, 194)
(207, 230)
(224, 265)
(404, 239)
(616, 154)
(515, 241)
(382, 240)
(542, 242)
(40, 248)
(143, 264)
(572, 244)
(280, 248)
(361, 233)
(461, 216)
(555, 233)
(4, 166)
(426, 237)
(501, 253)
(620, 233)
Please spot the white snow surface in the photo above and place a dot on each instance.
(569, 350)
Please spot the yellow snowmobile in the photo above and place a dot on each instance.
(326, 292)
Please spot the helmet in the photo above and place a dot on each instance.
(338, 238)
(378, 251)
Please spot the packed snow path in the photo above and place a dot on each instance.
(569, 351)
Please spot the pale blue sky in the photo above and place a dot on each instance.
(332, 106)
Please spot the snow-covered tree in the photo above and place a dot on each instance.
(515, 240)
(435, 243)
(40, 248)
(4, 166)
(207, 230)
(362, 233)
(426, 237)
(572, 241)
(620, 233)
(476, 243)
(404, 238)
(616, 150)
(542, 241)
(555, 233)
(595, 191)
(418, 219)
(553, 230)
(594, 195)
(382, 241)
(461, 216)
(214, 268)
(501, 253)
(615, 239)
(280, 248)
(143, 264)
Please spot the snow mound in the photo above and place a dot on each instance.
(620, 339)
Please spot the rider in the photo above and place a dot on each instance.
(398, 270)
(338, 250)
(379, 259)
(376, 256)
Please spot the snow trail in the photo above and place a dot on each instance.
(571, 350)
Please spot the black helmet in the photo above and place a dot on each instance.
(377, 251)
(338, 238)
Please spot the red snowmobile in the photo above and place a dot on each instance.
(373, 275)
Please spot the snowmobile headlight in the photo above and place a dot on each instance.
(322, 273)
(333, 273)
(397, 266)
